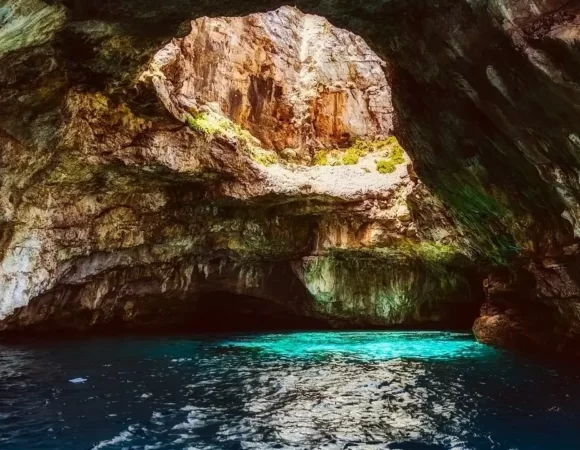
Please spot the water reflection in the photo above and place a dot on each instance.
(298, 390)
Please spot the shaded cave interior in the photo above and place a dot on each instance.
(314, 212)
(224, 311)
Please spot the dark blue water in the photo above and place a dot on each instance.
(331, 390)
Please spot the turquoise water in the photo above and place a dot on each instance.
(328, 390)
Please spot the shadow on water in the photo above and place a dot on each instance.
(217, 313)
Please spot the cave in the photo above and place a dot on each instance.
(318, 225)
(221, 311)
(394, 176)
(268, 169)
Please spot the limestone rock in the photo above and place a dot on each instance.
(292, 79)
(135, 220)
(109, 203)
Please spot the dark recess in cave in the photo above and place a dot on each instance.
(224, 311)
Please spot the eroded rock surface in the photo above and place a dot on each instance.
(292, 79)
(484, 97)
(136, 219)
(134, 216)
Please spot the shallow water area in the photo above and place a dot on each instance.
(325, 390)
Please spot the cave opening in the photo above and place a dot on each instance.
(290, 87)
(272, 148)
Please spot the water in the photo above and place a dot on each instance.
(393, 390)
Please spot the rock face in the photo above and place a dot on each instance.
(484, 97)
(292, 79)
(534, 307)
(136, 221)
(132, 217)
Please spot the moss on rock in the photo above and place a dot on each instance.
(211, 125)
(383, 292)
(359, 149)
(396, 157)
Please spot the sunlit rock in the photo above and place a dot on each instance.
(123, 171)
(293, 80)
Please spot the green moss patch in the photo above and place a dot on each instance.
(360, 148)
(263, 157)
(350, 158)
(321, 158)
(206, 124)
(396, 157)
(212, 125)
(386, 166)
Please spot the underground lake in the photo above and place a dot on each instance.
(310, 225)
(293, 390)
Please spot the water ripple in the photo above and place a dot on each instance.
(374, 390)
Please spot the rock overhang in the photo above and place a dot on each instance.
(482, 161)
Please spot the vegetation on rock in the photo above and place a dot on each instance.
(395, 158)
(385, 166)
(321, 158)
(361, 148)
(263, 157)
(211, 124)
(350, 157)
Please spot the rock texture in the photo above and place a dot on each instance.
(136, 220)
(118, 215)
(484, 96)
(292, 79)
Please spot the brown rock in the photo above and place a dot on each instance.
(293, 80)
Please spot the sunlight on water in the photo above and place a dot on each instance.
(369, 345)
(328, 390)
